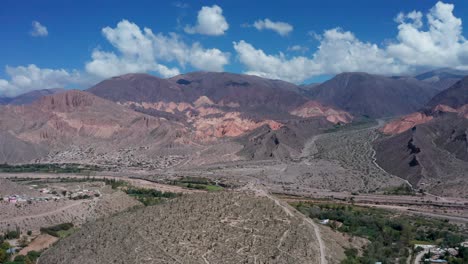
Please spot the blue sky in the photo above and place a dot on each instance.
(297, 41)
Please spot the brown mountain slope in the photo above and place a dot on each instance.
(456, 96)
(82, 127)
(429, 148)
(442, 78)
(433, 155)
(215, 105)
(137, 88)
(31, 96)
(451, 100)
(224, 89)
(285, 143)
(246, 91)
(363, 94)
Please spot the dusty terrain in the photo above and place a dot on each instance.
(31, 216)
(339, 161)
(432, 156)
(225, 227)
(9, 188)
(41, 242)
(429, 148)
(253, 136)
(228, 126)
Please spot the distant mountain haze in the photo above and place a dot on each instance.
(364, 94)
(30, 97)
(442, 78)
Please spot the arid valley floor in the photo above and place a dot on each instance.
(333, 168)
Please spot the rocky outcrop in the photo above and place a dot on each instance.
(405, 123)
(83, 120)
(316, 109)
(230, 124)
(363, 94)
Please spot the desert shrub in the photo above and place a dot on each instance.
(149, 196)
(12, 234)
(19, 258)
(51, 168)
(115, 183)
(54, 230)
(403, 189)
(4, 256)
(33, 255)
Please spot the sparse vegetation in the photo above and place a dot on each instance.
(403, 189)
(12, 234)
(60, 230)
(186, 229)
(198, 183)
(30, 258)
(115, 184)
(6, 255)
(149, 197)
(49, 168)
(353, 150)
(364, 122)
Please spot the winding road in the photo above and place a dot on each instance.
(323, 259)
(48, 213)
(289, 211)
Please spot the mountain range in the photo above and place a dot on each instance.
(29, 97)
(363, 94)
(442, 78)
(430, 146)
(142, 121)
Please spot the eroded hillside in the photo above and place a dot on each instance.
(224, 227)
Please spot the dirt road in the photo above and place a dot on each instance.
(41, 242)
(292, 212)
(419, 256)
(48, 213)
(140, 183)
(323, 259)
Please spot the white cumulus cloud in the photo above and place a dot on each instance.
(140, 50)
(441, 45)
(338, 52)
(419, 45)
(210, 21)
(27, 78)
(38, 30)
(282, 28)
(259, 63)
